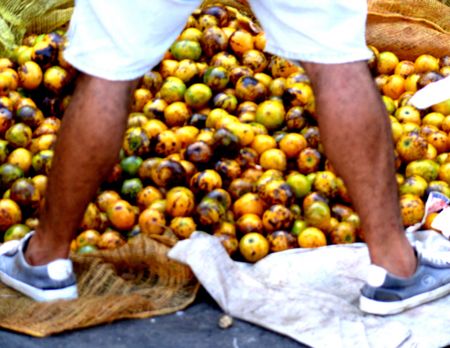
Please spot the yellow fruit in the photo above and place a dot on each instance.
(311, 237)
(273, 159)
(387, 62)
(412, 209)
(253, 246)
(152, 221)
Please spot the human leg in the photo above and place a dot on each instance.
(117, 44)
(88, 146)
(329, 39)
(356, 135)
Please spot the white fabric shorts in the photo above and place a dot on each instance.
(121, 40)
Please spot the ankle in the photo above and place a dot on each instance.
(399, 262)
(37, 252)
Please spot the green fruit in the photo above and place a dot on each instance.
(216, 77)
(17, 231)
(136, 142)
(130, 188)
(270, 113)
(298, 227)
(197, 95)
(19, 135)
(24, 193)
(8, 174)
(4, 152)
(415, 185)
(186, 49)
(87, 249)
(42, 161)
(300, 184)
(427, 169)
(130, 165)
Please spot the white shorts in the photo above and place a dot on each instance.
(121, 40)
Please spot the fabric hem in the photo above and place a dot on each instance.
(319, 58)
(116, 75)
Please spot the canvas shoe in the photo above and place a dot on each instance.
(54, 281)
(385, 294)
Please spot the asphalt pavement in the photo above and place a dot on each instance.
(196, 326)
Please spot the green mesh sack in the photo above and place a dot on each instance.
(19, 17)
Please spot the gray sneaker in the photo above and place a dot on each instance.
(54, 281)
(386, 294)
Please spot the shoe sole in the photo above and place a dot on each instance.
(371, 306)
(67, 293)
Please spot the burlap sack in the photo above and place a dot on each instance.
(137, 280)
(409, 28)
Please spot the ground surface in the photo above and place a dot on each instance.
(194, 327)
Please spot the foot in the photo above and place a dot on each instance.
(386, 293)
(50, 282)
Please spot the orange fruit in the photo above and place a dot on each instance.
(260, 41)
(281, 240)
(10, 213)
(425, 63)
(225, 227)
(411, 82)
(229, 242)
(110, 239)
(412, 147)
(444, 172)
(106, 198)
(292, 144)
(273, 159)
(147, 196)
(435, 119)
(40, 182)
(442, 107)
(255, 60)
(387, 62)
(431, 152)
(408, 113)
(318, 214)
(308, 160)
(281, 67)
(183, 226)
(439, 140)
(197, 95)
(249, 223)
(253, 246)
(311, 237)
(429, 220)
(397, 131)
(241, 41)
(343, 233)
(22, 158)
(404, 68)
(121, 214)
(141, 96)
(176, 114)
(277, 217)
(249, 203)
(88, 237)
(152, 221)
(180, 202)
(263, 142)
(30, 75)
(412, 209)
(394, 86)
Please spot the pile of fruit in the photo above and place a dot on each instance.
(222, 138)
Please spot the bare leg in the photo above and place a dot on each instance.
(356, 135)
(88, 146)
